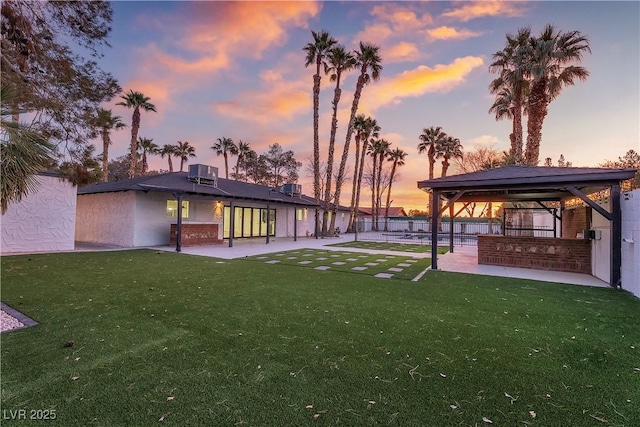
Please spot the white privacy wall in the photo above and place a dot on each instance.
(42, 221)
(630, 271)
(106, 218)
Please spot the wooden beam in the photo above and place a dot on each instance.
(452, 200)
(596, 207)
(550, 210)
(435, 197)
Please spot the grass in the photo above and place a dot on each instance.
(199, 341)
(398, 267)
(399, 247)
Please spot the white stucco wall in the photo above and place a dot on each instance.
(106, 218)
(42, 221)
(601, 245)
(630, 271)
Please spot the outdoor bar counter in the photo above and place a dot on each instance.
(196, 234)
(544, 253)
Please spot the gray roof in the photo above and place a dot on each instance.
(177, 182)
(527, 182)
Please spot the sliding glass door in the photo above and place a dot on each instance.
(249, 222)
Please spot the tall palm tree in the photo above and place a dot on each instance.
(430, 138)
(169, 151)
(396, 156)
(358, 127)
(383, 151)
(24, 152)
(370, 131)
(447, 149)
(147, 146)
(368, 60)
(137, 101)
(339, 61)
(105, 121)
(184, 150)
(224, 147)
(378, 151)
(243, 149)
(511, 86)
(548, 65)
(316, 54)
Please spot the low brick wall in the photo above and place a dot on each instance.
(196, 234)
(572, 255)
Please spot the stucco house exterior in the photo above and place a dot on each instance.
(44, 220)
(144, 211)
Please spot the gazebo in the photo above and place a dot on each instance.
(539, 185)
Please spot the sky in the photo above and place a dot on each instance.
(236, 70)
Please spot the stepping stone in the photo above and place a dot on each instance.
(219, 262)
(363, 256)
(352, 259)
(390, 256)
(273, 261)
(336, 256)
(412, 261)
(359, 268)
(402, 264)
(384, 275)
(338, 263)
(262, 257)
(278, 254)
(321, 259)
(396, 270)
(323, 267)
(292, 257)
(308, 254)
(382, 260)
(371, 264)
(305, 262)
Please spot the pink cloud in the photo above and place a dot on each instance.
(478, 9)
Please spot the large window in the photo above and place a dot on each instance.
(249, 222)
(172, 209)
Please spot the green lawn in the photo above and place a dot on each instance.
(200, 341)
(400, 247)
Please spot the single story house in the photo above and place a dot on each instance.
(149, 210)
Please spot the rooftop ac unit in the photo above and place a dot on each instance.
(292, 189)
(203, 174)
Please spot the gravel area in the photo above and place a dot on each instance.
(8, 322)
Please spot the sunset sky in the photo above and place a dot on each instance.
(236, 69)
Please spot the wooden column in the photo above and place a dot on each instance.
(232, 220)
(435, 212)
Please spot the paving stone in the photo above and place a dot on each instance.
(390, 256)
(359, 268)
(262, 257)
(338, 263)
(384, 275)
(412, 261)
(292, 257)
(363, 256)
(305, 262)
(273, 261)
(308, 254)
(404, 264)
(371, 264)
(278, 254)
(336, 256)
(352, 259)
(382, 260)
(396, 270)
(323, 267)
(321, 259)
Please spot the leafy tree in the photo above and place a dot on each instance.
(105, 122)
(631, 160)
(368, 60)
(340, 61)
(283, 167)
(24, 152)
(137, 101)
(168, 151)
(397, 156)
(147, 146)
(83, 168)
(316, 53)
(183, 151)
(39, 44)
(119, 168)
(224, 147)
(255, 167)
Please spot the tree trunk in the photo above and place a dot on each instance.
(226, 164)
(332, 142)
(378, 190)
(345, 151)
(445, 166)
(516, 143)
(386, 212)
(170, 163)
(135, 126)
(105, 154)
(537, 112)
(363, 153)
(490, 217)
(352, 211)
(373, 192)
(145, 166)
(316, 143)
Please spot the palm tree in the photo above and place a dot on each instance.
(316, 53)
(370, 130)
(169, 151)
(396, 156)
(224, 147)
(184, 150)
(430, 138)
(383, 151)
(106, 122)
(358, 126)
(146, 145)
(24, 152)
(548, 65)
(511, 87)
(137, 101)
(242, 151)
(447, 149)
(368, 59)
(339, 61)
(378, 151)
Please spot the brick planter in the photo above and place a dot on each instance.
(196, 234)
(543, 253)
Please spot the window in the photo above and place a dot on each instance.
(172, 208)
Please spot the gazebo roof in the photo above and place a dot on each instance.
(526, 183)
